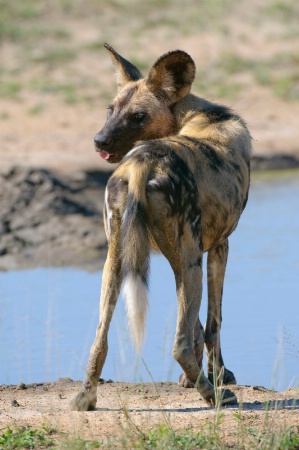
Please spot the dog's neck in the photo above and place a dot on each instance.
(186, 108)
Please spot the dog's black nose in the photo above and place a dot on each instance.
(101, 141)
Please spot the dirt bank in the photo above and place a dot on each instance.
(47, 220)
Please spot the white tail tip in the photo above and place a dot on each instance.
(135, 293)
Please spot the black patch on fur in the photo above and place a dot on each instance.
(178, 185)
(134, 209)
(237, 171)
(235, 166)
(219, 113)
(187, 139)
(245, 201)
(177, 70)
(131, 71)
(213, 158)
(197, 263)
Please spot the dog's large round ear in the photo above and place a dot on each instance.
(125, 71)
(172, 76)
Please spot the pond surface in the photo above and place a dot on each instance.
(48, 317)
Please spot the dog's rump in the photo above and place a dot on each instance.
(185, 177)
(161, 185)
(153, 188)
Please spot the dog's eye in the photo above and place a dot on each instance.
(139, 117)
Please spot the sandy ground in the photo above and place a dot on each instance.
(122, 407)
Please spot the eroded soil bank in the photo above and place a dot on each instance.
(51, 220)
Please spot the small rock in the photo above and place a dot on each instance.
(14, 403)
(261, 389)
(21, 387)
(65, 380)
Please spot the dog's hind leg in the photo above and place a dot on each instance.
(188, 275)
(189, 288)
(86, 399)
(217, 373)
(198, 352)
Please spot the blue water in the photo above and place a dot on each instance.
(48, 317)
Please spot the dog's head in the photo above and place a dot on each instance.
(142, 109)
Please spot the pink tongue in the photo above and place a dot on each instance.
(104, 155)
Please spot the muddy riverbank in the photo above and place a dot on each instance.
(51, 220)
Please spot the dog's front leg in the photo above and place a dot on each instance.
(87, 397)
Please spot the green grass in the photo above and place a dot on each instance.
(283, 10)
(37, 109)
(166, 438)
(287, 87)
(25, 438)
(55, 57)
(209, 437)
(69, 92)
(10, 89)
(232, 63)
(280, 72)
(15, 17)
(4, 115)
(216, 86)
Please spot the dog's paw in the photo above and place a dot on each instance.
(84, 401)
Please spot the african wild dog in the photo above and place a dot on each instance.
(180, 189)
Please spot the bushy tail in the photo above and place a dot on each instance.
(135, 252)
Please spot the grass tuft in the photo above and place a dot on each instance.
(10, 89)
(55, 57)
(282, 10)
(211, 436)
(25, 438)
